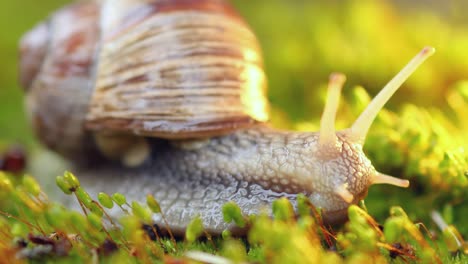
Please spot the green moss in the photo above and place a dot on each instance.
(30, 222)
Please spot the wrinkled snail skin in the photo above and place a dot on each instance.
(168, 98)
(251, 167)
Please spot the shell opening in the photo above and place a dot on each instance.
(359, 129)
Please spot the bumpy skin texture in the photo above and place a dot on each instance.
(250, 167)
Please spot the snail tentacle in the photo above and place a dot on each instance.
(359, 129)
(328, 142)
(380, 178)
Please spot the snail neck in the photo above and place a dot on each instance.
(285, 162)
(274, 159)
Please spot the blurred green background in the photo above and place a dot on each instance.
(16, 17)
(303, 42)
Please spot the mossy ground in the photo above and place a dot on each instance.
(36, 230)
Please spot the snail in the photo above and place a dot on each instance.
(170, 95)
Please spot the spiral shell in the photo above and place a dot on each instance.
(176, 69)
(171, 69)
(56, 64)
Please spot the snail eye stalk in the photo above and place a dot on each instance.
(327, 136)
(359, 129)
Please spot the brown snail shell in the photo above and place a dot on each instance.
(170, 69)
(56, 64)
(178, 69)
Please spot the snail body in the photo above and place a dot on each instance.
(252, 167)
(171, 95)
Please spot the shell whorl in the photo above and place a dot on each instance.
(57, 58)
(177, 69)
